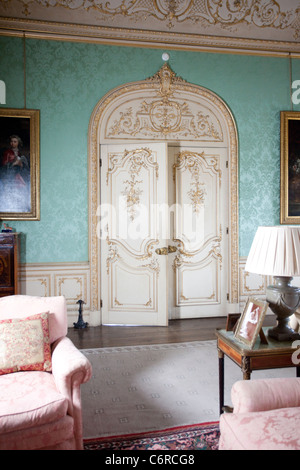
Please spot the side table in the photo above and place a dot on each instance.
(275, 354)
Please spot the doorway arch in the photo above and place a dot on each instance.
(164, 108)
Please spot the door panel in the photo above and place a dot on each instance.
(164, 250)
(134, 277)
(199, 267)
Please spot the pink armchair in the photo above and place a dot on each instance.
(266, 416)
(42, 409)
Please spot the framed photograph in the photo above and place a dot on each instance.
(232, 321)
(19, 164)
(250, 322)
(290, 167)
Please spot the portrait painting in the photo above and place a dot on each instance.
(19, 164)
(290, 168)
(251, 320)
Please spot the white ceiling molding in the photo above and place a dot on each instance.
(256, 26)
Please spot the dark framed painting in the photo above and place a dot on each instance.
(19, 164)
(290, 167)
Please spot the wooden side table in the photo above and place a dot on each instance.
(275, 354)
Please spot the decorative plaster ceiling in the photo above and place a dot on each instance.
(252, 25)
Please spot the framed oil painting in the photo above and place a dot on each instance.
(290, 168)
(250, 322)
(19, 164)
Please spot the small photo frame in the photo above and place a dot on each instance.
(250, 322)
(232, 321)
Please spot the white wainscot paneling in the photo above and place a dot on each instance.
(251, 284)
(72, 280)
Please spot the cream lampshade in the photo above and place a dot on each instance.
(275, 251)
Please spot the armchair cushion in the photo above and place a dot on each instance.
(24, 344)
(262, 430)
(33, 414)
(29, 399)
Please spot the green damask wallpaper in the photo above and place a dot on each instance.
(65, 80)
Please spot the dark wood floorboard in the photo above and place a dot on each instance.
(178, 331)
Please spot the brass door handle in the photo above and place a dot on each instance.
(165, 250)
(162, 251)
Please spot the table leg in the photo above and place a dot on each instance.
(221, 380)
(298, 371)
(246, 368)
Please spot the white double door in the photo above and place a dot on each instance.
(163, 228)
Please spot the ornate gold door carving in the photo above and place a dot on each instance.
(160, 113)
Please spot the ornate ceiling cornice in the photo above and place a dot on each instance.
(255, 26)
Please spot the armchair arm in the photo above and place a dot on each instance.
(265, 394)
(70, 369)
(69, 366)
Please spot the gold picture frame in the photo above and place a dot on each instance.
(289, 167)
(19, 164)
(250, 322)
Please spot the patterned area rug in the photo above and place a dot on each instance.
(141, 389)
(203, 436)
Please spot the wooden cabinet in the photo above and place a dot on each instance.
(9, 254)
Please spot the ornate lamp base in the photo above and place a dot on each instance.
(283, 332)
(283, 299)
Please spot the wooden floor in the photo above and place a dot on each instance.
(178, 331)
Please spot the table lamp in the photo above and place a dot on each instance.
(275, 251)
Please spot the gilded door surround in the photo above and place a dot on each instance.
(161, 108)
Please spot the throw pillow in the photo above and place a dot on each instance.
(24, 344)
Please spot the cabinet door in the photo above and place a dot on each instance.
(8, 265)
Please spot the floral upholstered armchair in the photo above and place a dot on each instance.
(41, 372)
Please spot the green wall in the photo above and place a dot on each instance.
(65, 80)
